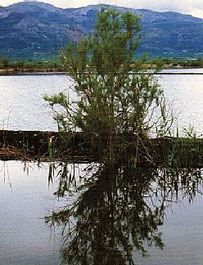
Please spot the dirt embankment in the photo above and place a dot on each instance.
(75, 147)
(42, 145)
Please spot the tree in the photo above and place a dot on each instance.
(4, 61)
(20, 64)
(114, 100)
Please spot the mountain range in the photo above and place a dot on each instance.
(37, 30)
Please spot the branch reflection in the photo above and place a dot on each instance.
(116, 210)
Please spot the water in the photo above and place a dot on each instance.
(109, 202)
(25, 199)
(184, 93)
(26, 195)
(22, 106)
(182, 236)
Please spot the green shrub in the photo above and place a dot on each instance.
(113, 100)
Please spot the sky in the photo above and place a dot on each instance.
(192, 7)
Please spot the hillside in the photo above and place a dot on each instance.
(38, 30)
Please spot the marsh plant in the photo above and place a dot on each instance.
(116, 101)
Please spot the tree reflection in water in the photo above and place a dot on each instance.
(117, 210)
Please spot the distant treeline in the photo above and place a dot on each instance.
(174, 63)
(30, 66)
(55, 66)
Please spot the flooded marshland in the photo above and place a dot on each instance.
(94, 213)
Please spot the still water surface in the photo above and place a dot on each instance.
(26, 195)
(22, 106)
(185, 95)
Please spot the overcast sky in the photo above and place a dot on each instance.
(193, 7)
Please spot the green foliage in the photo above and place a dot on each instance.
(113, 99)
(20, 63)
(174, 63)
(4, 62)
(188, 146)
(31, 65)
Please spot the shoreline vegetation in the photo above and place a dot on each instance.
(49, 146)
(22, 66)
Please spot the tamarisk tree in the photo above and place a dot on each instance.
(116, 98)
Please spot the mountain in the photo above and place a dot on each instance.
(36, 29)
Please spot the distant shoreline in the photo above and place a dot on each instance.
(35, 72)
(27, 70)
(12, 71)
(21, 66)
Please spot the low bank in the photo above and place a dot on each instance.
(60, 70)
(76, 147)
(14, 71)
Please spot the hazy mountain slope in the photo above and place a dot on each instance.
(39, 29)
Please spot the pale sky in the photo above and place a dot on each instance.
(192, 7)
